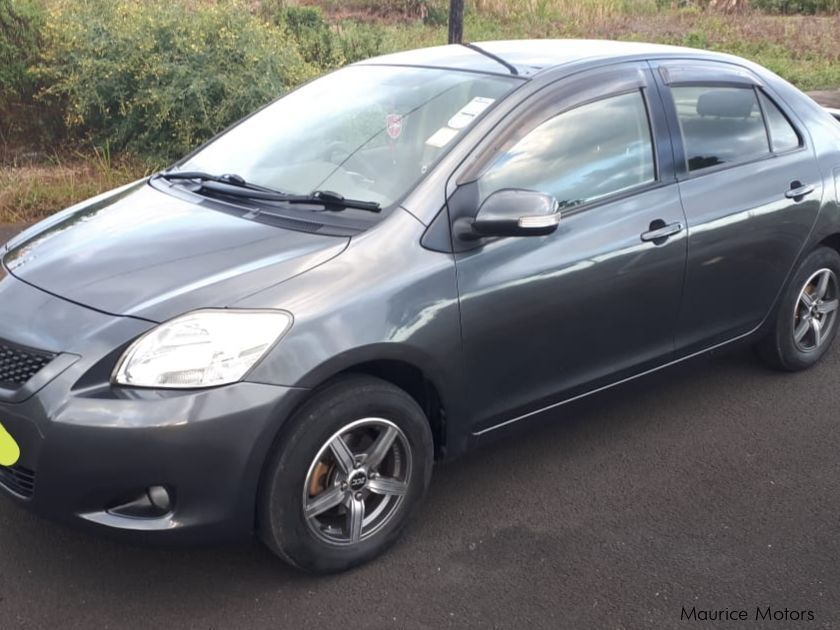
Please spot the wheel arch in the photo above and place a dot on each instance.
(832, 241)
(829, 239)
(391, 363)
(408, 368)
(417, 384)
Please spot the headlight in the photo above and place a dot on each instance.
(201, 349)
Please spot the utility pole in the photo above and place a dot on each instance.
(456, 21)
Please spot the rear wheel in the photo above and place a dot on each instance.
(346, 476)
(806, 321)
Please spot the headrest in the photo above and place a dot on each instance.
(736, 103)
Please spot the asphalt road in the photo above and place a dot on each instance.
(714, 485)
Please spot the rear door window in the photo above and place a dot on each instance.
(783, 136)
(720, 125)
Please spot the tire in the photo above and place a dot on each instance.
(312, 487)
(807, 317)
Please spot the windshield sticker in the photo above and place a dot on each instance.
(470, 111)
(441, 137)
(394, 125)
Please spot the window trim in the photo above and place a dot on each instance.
(702, 71)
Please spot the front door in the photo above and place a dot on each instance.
(547, 317)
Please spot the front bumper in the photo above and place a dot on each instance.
(206, 448)
(87, 447)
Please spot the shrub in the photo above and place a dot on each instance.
(390, 9)
(20, 27)
(437, 14)
(160, 77)
(316, 42)
(360, 41)
(300, 18)
(695, 39)
(797, 6)
(320, 44)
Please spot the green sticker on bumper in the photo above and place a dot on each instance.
(9, 449)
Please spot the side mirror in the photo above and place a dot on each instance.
(514, 212)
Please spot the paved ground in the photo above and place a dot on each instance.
(716, 485)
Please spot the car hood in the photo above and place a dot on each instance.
(145, 253)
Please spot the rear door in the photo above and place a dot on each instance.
(751, 191)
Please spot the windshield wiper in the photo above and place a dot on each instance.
(330, 198)
(227, 178)
(235, 186)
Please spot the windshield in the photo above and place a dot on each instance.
(364, 132)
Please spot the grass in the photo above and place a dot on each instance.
(576, 10)
(29, 192)
(802, 49)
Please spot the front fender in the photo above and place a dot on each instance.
(384, 298)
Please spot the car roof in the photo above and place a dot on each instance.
(528, 56)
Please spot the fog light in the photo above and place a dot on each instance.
(159, 496)
(154, 502)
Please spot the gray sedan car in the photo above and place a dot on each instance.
(282, 332)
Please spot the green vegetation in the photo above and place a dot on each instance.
(33, 191)
(158, 77)
(791, 7)
(20, 28)
(151, 80)
(320, 44)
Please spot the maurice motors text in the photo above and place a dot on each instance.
(759, 613)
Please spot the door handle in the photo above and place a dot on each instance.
(798, 191)
(660, 231)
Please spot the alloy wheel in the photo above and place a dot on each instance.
(357, 481)
(815, 313)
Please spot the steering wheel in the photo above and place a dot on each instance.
(339, 151)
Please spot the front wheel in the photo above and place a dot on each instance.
(806, 320)
(346, 475)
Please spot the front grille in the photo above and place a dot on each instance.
(18, 364)
(18, 479)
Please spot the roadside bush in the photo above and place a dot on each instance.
(797, 6)
(321, 44)
(390, 9)
(317, 43)
(160, 77)
(20, 28)
(437, 14)
(360, 41)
